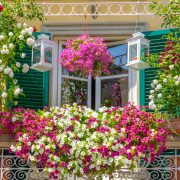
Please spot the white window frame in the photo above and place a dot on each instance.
(60, 76)
(110, 31)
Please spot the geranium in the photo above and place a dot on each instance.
(77, 140)
(86, 55)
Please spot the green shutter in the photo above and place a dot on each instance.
(157, 43)
(35, 84)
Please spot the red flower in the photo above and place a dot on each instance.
(1, 7)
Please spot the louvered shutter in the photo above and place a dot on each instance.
(157, 43)
(35, 84)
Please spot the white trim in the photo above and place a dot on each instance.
(113, 76)
(53, 77)
(74, 78)
(133, 88)
(59, 78)
(98, 87)
(98, 93)
(89, 90)
(109, 31)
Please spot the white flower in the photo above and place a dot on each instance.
(30, 30)
(25, 68)
(10, 34)
(4, 95)
(13, 119)
(11, 45)
(23, 55)
(23, 32)
(24, 25)
(3, 51)
(158, 87)
(11, 74)
(30, 41)
(152, 85)
(4, 46)
(1, 37)
(151, 91)
(155, 82)
(177, 83)
(164, 80)
(17, 91)
(171, 67)
(7, 70)
(18, 64)
(19, 25)
(21, 37)
(1, 68)
(151, 103)
(159, 95)
(176, 78)
(151, 97)
(7, 51)
(153, 107)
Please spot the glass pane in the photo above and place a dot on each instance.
(36, 54)
(74, 91)
(119, 53)
(114, 92)
(48, 55)
(144, 50)
(133, 52)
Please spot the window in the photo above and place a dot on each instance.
(113, 90)
(106, 90)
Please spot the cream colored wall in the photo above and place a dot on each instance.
(153, 23)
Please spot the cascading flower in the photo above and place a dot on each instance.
(86, 55)
(77, 140)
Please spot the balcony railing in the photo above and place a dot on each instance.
(165, 167)
(98, 9)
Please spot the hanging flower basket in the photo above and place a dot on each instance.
(87, 56)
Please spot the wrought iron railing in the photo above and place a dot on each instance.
(165, 167)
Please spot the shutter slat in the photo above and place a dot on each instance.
(157, 43)
(35, 84)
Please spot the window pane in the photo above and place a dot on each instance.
(114, 92)
(74, 91)
(133, 52)
(119, 53)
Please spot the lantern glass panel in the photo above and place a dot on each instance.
(144, 50)
(48, 54)
(36, 54)
(133, 52)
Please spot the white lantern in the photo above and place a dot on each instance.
(42, 54)
(138, 47)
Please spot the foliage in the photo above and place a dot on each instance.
(170, 13)
(14, 36)
(165, 92)
(86, 55)
(77, 140)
